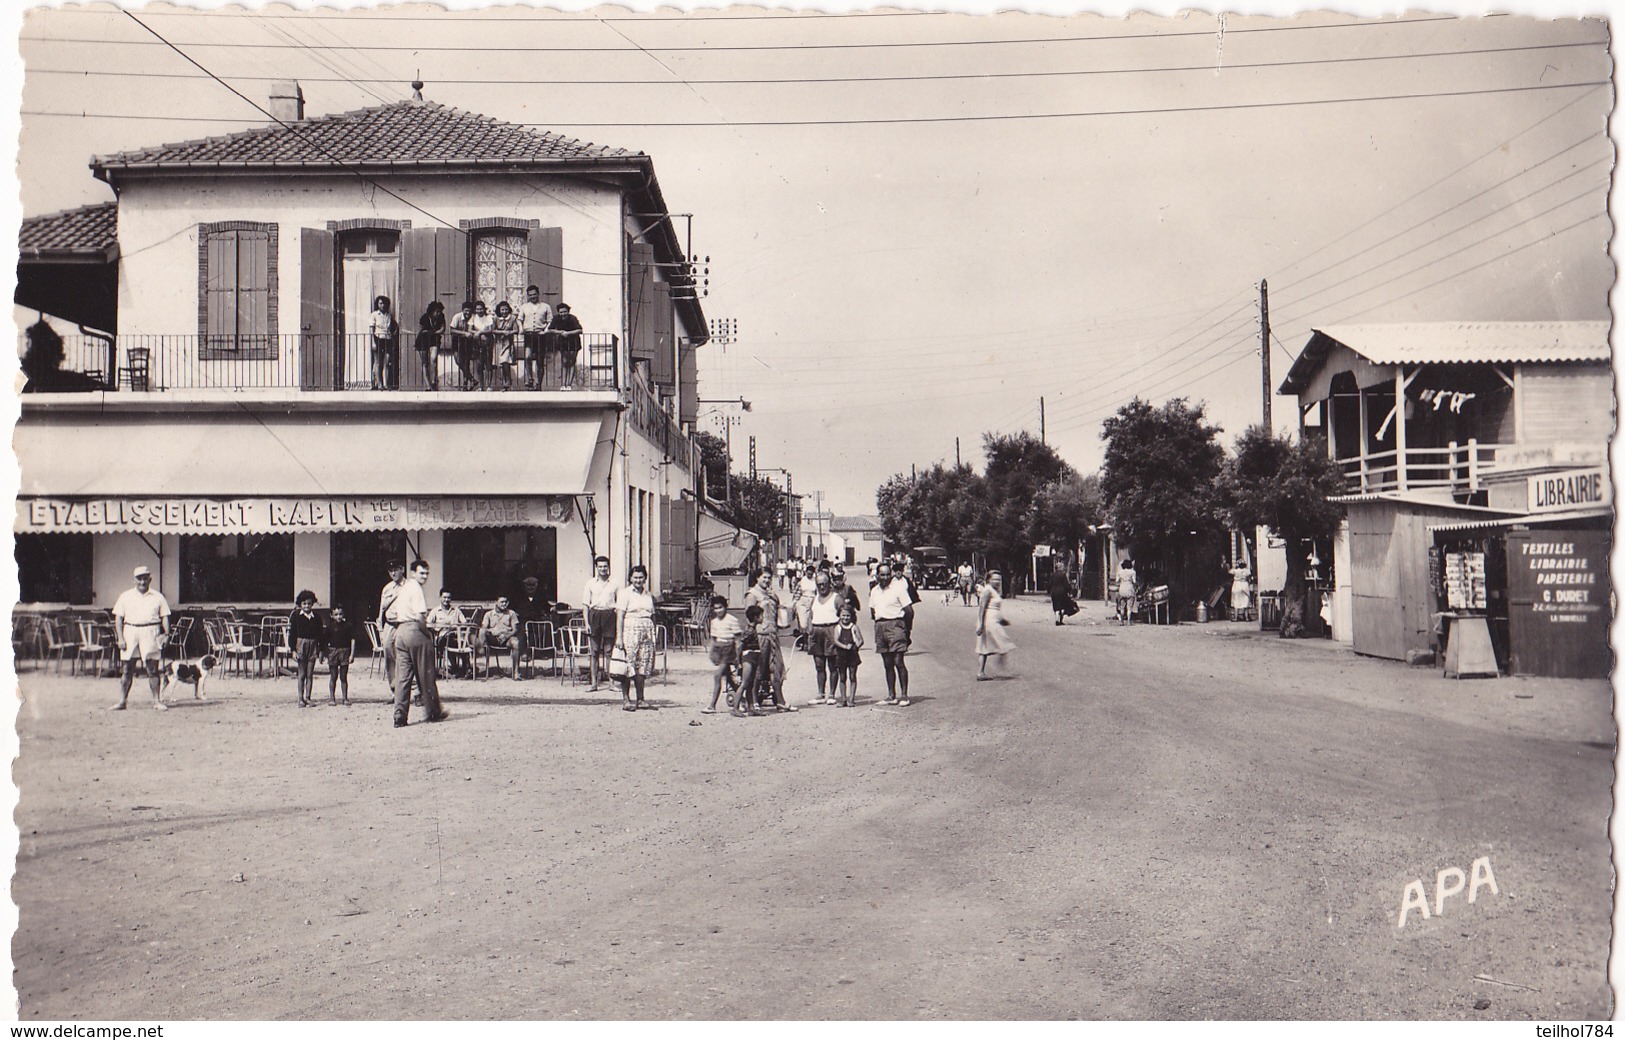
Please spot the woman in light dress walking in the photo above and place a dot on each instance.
(991, 640)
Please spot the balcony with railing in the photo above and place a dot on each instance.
(303, 362)
(1456, 467)
(655, 422)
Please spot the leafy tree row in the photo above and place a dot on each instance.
(1167, 486)
(755, 504)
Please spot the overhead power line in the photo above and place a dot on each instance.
(1000, 117)
(721, 48)
(798, 80)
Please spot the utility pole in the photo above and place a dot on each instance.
(753, 456)
(1264, 346)
(956, 453)
(1042, 438)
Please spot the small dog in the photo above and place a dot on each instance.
(193, 673)
(947, 597)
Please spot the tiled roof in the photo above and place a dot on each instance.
(855, 523)
(88, 229)
(1451, 342)
(405, 132)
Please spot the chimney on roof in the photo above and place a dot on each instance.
(287, 101)
(417, 90)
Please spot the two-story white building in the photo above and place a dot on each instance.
(234, 443)
(1467, 447)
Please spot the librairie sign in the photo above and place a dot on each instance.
(283, 515)
(1569, 489)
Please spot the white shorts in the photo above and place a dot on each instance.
(141, 641)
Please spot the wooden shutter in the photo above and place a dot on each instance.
(321, 351)
(545, 247)
(641, 303)
(254, 292)
(220, 299)
(418, 289)
(665, 360)
(452, 283)
(688, 403)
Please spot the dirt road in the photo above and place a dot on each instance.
(1146, 823)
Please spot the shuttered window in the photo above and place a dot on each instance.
(237, 269)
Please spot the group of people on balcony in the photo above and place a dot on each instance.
(484, 348)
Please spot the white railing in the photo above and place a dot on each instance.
(1456, 466)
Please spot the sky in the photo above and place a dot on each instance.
(926, 224)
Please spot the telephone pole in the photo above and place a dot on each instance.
(956, 453)
(1264, 346)
(1042, 437)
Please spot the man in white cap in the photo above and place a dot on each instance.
(141, 624)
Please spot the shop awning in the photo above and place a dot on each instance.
(248, 515)
(722, 546)
(307, 456)
(1527, 519)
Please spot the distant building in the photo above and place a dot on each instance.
(234, 443)
(854, 539)
(1465, 444)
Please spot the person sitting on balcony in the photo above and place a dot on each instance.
(534, 318)
(431, 334)
(385, 363)
(463, 342)
(480, 356)
(567, 337)
(500, 629)
(504, 329)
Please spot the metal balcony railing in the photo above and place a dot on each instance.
(657, 424)
(1455, 466)
(155, 363)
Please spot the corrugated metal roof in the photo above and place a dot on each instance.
(1454, 342)
(1530, 518)
(90, 230)
(404, 132)
(1414, 498)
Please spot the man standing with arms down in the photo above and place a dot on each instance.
(141, 624)
(598, 600)
(386, 630)
(534, 318)
(892, 609)
(414, 649)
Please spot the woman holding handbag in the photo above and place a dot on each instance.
(633, 659)
(991, 640)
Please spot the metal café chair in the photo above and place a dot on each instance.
(240, 645)
(375, 656)
(274, 647)
(95, 643)
(180, 630)
(460, 647)
(573, 646)
(540, 645)
(52, 645)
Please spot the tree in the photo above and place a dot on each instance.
(758, 507)
(1158, 484)
(930, 508)
(1067, 509)
(713, 462)
(1006, 527)
(1285, 485)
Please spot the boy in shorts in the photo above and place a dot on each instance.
(724, 634)
(750, 663)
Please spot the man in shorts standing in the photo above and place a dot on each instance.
(598, 600)
(534, 317)
(892, 609)
(141, 624)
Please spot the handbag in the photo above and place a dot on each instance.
(619, 666)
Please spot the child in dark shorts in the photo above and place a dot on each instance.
(848, 638)
(750, 660)
(340, 645)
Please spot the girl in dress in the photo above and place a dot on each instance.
(991, 640)
(479, 357)
(848, 640)
(503, 332)
(635, 635)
